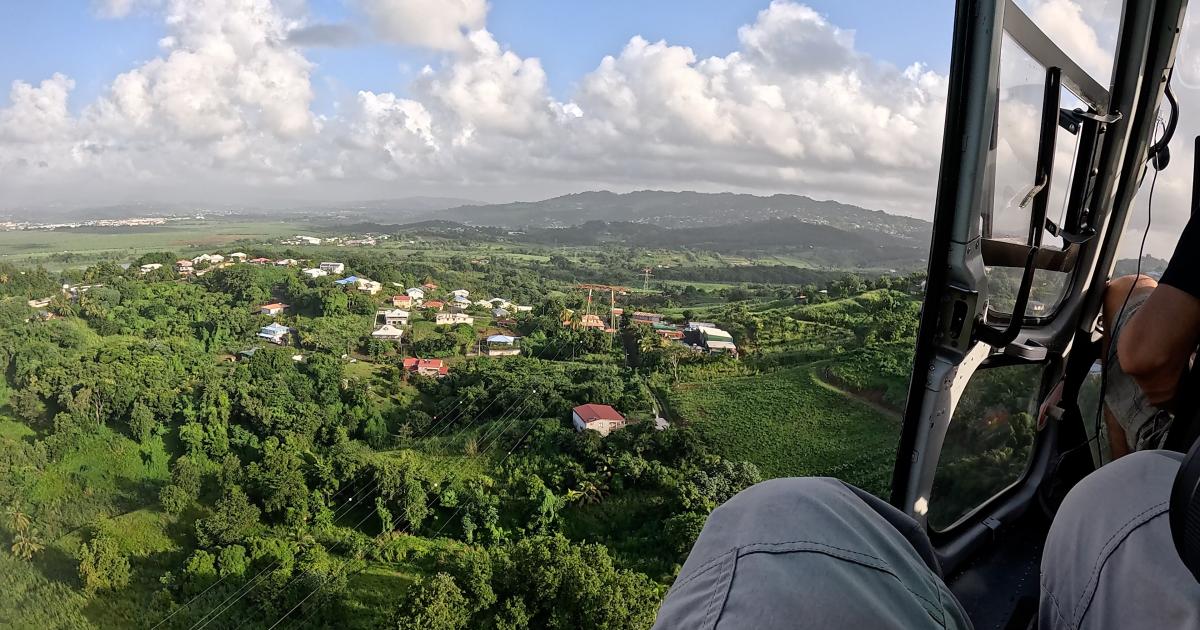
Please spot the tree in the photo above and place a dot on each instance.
(141, 422)
(174, 499)
(25, 545)
(433, 603)
(235, 516)
(18, 521)
(102, 566)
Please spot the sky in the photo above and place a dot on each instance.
(274, 101)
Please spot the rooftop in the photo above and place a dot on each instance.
(592, 411)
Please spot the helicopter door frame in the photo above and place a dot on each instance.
(954, 322)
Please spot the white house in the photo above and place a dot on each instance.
(416, 293)
(387, 332)
(332, 267)
(308, 240)
(287, 262)
(461, 293)
(212, 259)
(274, 308)
(600, 418)
(523, 309)
(275, 333)
(393, 317)
(502, 346)
(483, 303)
(148, 267)
(453, 319)
(369, 286)
(315, 273)
(238, 257)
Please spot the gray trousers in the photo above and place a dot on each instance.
(817, 553)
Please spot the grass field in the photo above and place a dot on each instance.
(84, 245)
(789, 425)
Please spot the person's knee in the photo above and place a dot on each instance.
(1120, 289)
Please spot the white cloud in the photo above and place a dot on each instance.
(37, 114)
(437, 24)
(227, 107)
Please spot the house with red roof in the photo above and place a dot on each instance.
(435, 305)
(426, 367)
(600, 418)
(402, 301)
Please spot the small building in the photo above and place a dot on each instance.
(275, 333)
(721, 347)
(387, 332)
(416, 293)
(429, 286)
(260, 261)
(369, 287)
(500, 313)
(287, 262)
(308, 240)
(500, 303)
(671, 333)
(501, 346)
(426, 367)
(347, 280)
(332, 267)
(591, 321)
(184, 267)
(461, 293)
(483, 303)
(393, 317)
(315, 273)
(274, 308)
(211, 259)
(602, 419)
(238, 257)
(434, 305)
(148, 267)
(523, 309)
(39, 303)
(453, 319)
(402, 301)
(640, 317)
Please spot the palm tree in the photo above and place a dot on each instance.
(591, 493)
(17, 520)
(26, 545)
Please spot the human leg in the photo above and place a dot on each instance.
(1129, 417)
(809, 553)
(1109, 561)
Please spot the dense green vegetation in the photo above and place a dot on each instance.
(160, 464)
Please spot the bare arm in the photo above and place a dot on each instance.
(1156, 345)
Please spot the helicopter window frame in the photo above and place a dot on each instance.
(1024, 33)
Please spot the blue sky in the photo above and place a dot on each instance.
(38, 39)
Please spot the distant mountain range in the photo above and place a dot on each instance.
(686, 210)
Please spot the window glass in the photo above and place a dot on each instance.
(988, 442)
(1085, 29)
(1021, 92)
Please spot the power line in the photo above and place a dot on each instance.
(372, 486)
